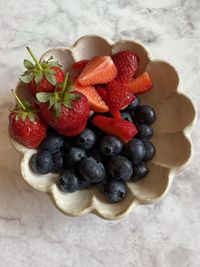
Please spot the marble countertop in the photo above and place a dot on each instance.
(33, 232)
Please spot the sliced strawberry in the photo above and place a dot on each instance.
(123, 129)
(80, 65)
(141, 84)
(101, 69)
(96, 102)
(126, 63)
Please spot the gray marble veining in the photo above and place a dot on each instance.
(32, 231)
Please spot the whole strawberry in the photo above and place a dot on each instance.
(127, 64)
(25, 126)
(66, 111)
(41, 76)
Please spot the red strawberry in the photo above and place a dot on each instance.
(100, 69)
(119, 95)
(43, 76)
(141, 84)
(95, 100)
(66, 111)
(80, 65)
(25, 126)
(123, 129)
(126, 63)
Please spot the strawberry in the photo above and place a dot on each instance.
(100, 69)
(126, 63)
(119, 95)
(95, 100)
(43, 76)
(66, 111)
(80, 65)
(141, 84)
(25, 126)
(123, 129)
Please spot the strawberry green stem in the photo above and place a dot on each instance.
(34, 58)
(18, 100)
(65, 81)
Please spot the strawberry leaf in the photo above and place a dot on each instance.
(26, 77)
(50, 78)
(57, 110)
(28, 64)
(24, 115)
(43, 97)
(52, 102)
(38, 77)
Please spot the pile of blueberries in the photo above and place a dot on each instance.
(95, 158)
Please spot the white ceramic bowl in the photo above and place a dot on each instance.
(175, 116)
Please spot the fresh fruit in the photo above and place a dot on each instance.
(80, 65)
(115, 191)
(110, 146)
(42, 162)
(101, 185)
(96, 102)
(134, 150)
(43, 76)
(68, 181)
(145, 114)
(127, 64)
(58, 162)
(86, 139)
(150, 150)
(140, 171)
(100, 69)
(83, 184)
(91, 170)
(141, 84)
(66, 111)
(125, 130)
(145, 131)
(126, 116)
(25, 126)
(53, 143)
(136, 102)
(74, 155)
(120, 168)
(119, 95)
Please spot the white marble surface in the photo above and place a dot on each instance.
(32, 232)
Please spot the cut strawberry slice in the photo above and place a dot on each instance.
(80, 65)
(96, 102)
(141, 84)
(101, 69)
(123, 129)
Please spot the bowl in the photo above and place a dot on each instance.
(172, 138)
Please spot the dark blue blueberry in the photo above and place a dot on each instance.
(126, 116)
(42, 162)
(134, 150)
(86, 139)
(101, 185)
(139, 171)
(145, 114)
(58, 161)
(145, 132)
(91, 170)
(83, 184)
(53, 143)
(120, 168)
(134, 104)
(115, 191)
(150, 150)
(110, 146)
(68, 181)
(74, 155)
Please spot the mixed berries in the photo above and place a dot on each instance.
(92, 129)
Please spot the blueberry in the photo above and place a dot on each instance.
(74, 155)
(145, 132)
(120, 168)
(110, 146)
(140, 171)
(134, 104)
(53, 143)
(115, 191)
(150, 150)
(145, 114)
(83, 184)
(91, 170)
(58, 162)
(86, 139)
(68, 181)
(134, 150)
(126, 116)
(42, 162)
(101, 185)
